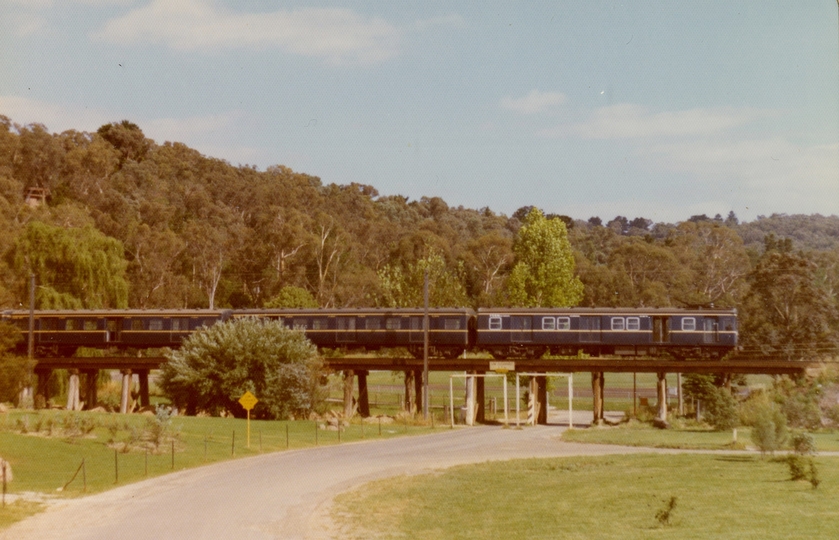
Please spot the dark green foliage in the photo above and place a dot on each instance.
(797, 467)
(292, 297)
(769, 432)
(799, 401)
(217, 365)
(719, 408)
(803, 444)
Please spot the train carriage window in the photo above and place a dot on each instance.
(319, 324)
(633, 323)
(49, 324)
(373, 323)
(209, 322)
(393, 323)
(70, 324)
(688, 324)
(90, 324)
(179, 324)
(563, 323)
(495, 322)
(617, 323)
(156, 324)
(301, 324)
(548, 323)
(137, 324)
(451, 324)
(416, 323)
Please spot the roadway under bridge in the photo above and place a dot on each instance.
(356, 368)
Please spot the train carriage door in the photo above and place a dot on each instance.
(661, 329)
(345, 331)
(415, 335)
(113, 327)
(711, 330)
(589, 329)
(521, 328)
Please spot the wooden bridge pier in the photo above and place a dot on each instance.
(661, 394)
(598, 382)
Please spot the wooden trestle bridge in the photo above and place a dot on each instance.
(357, 368)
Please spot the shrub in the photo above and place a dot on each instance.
(721, 409)
(797, 467)
(770, 430)
(803, 444)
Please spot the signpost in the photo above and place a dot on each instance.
(248, 401)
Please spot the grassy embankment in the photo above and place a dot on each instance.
(621, 497)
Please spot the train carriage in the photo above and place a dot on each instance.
(509, 332)
(61, 332)
(373, 328)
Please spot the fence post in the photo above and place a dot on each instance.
(3, 464)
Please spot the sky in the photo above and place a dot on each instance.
(656, 109)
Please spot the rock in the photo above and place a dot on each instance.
(4, 465)
(98, 409)
(147, 409)
(3, 408)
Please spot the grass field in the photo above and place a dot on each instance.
(741, 496)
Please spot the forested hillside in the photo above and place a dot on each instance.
(129, 222)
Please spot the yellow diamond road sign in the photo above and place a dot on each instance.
(248, 400)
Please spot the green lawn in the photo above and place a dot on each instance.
(698, 438)
(717, 496)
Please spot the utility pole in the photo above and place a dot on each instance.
(425, 392)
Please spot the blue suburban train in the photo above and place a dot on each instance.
(503, 332)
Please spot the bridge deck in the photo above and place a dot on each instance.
(771, 366)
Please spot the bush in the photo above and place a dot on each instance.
(769, 432)
(797, 467)
(721, 409)
(215, 366)
(799, 401)
(803, 444)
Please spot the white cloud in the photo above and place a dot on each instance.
(534, 102)
(337, 35)
(628, 121)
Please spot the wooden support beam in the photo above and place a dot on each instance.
(661, 394)
(542, 399)
(408, 402)
(42, 394)
(418, 391)
(125, 397)
(143, 375)
(597, 379)
(91, 377)
(363, 395)
(73, 390)
(480, 398)
(349, 409)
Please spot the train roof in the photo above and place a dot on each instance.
(352, 311)
(660, 312)
(117, 312)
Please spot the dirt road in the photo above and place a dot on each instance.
(280, 495)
